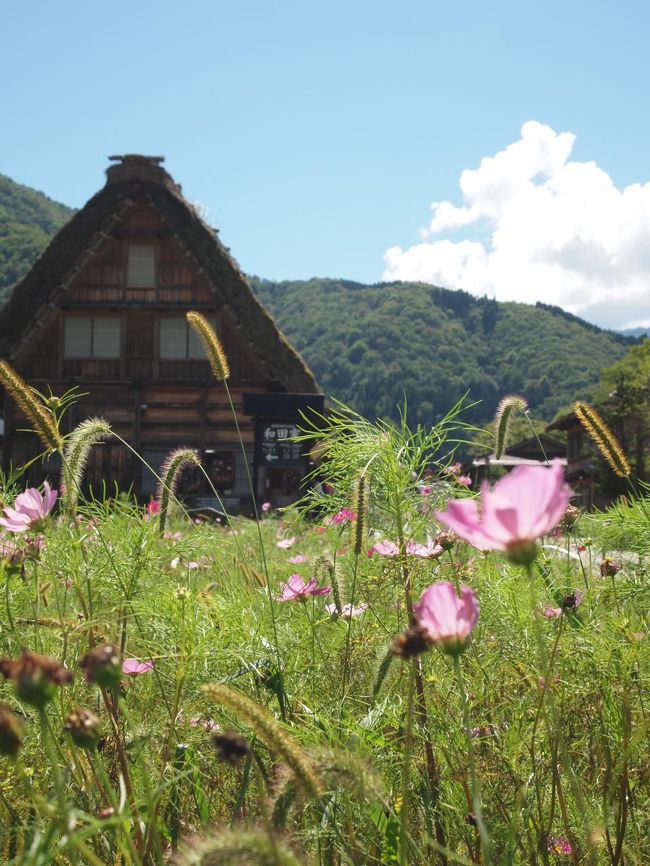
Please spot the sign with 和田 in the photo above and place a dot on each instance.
(275, 447)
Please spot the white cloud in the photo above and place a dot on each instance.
(552, 230)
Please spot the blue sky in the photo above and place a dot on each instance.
(317, 135)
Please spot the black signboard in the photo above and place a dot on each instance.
(273, 447)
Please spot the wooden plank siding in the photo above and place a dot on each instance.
(146, 260)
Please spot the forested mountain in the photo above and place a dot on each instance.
(28, 219)
(373, 346)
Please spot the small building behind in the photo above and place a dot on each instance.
(103, 310)
(535, 451)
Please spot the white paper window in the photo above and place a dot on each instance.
(141, 269)
(179, 342)
(173, 338)
(91, 337)
(106, 337)
(77, 337)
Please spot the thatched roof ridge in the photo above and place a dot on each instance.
(34, 296)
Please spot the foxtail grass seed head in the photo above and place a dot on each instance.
(603, 439)
(238, 847)
(35, 677)
(11, 732)
(40, 417)
(360, 497)
(75, 456)
(267, 729)
(170, 475)
(506, 409)
(211, 345)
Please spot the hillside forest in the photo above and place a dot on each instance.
(382, 347)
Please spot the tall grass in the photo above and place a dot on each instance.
(531, 748)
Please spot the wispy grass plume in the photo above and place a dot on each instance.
(238, 847)
(211, 345)
(360, 508)
(75, 456)
(603, 438)
(170, 473)
(507, 408)
(277, 741)
(26, 398)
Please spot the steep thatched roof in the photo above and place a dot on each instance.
(36, 296)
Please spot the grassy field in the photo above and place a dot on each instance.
(251, 727)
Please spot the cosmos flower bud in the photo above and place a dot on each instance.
(570, 517)
(413, 642)
(231, 747)
(446, 540)
(35, 677)
(608, 568)
(84, 728)
(102, 665)
(11, 732)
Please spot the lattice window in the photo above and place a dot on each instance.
(91, 337)
(141, 268)
(178, 341)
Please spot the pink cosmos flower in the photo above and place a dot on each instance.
(558, 845)
(520, 508)
(552, 612)
(464, 481)
(298, 559)
(30, 508)
(425, 551)
(134, 668)
(295, 589)
(425, 490)
(384, 548)
(266, 506)
(447, 619)
(345, 515)
(348, 611)
(286, 543)
(454, 469)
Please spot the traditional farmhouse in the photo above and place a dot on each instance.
(104, 309)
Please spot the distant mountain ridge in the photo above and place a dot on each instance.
(376, 347)
(28, 220)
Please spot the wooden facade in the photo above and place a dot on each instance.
(104, 310)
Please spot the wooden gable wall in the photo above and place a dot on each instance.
(154, 403)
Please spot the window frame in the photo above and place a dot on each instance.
(128, 285)
(91, 356)
(190, 335)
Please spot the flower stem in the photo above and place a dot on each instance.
(402, 857)
(486, 842)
